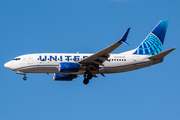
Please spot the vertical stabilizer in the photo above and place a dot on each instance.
(154, 41)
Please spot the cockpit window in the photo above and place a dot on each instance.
(16, 58)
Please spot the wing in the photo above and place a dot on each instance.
(103, 55)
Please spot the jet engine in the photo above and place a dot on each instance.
(63, 77)
(68, 67)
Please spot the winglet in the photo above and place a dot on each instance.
(125, 42)
(123, 38)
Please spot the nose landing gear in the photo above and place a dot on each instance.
(22, 73)
(24, 78)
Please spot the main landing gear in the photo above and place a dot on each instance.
(86, 81)
(87, 78)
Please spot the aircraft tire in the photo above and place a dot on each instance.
(86, 81)
(24, 78)
(89, 76)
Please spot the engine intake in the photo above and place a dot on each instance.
(63, 77)
(67, 67)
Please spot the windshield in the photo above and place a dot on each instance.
(16, 58)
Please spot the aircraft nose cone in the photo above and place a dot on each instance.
(5, 65)
(8, 65)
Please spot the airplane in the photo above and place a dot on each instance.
(67, 66)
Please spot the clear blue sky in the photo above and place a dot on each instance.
(87, 26)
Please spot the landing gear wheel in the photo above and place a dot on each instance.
(89, 76)
(24, 78)
(86, 81)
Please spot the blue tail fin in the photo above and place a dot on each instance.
(154, 41)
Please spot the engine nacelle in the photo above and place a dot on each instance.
(63, 77)
(67, 67)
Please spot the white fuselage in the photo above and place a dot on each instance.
(49, 62)
(66, 67)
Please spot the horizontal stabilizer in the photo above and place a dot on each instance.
(162, 54)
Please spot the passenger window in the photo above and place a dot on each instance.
(124, 59)
(114, 59)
